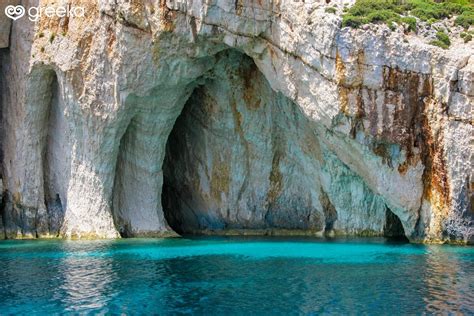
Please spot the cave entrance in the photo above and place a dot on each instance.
(172, 198)
(225, 155)
(393, 228)
(244, 159)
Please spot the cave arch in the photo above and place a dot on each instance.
(137, 185)
(243, 158)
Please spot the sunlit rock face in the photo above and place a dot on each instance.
(233, 115)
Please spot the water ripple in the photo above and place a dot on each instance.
(234, 276)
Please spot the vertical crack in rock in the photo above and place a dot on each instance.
(121, 221)
(276, 181)
(55, 160)
(330, 213)
(238, 6)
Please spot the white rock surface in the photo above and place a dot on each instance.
(89, 104)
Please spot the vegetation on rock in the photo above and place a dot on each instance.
(404, 11)
(442, 40)
(467, 37)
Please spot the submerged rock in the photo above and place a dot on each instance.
(235, 116)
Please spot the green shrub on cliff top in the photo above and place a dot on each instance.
(443, 37)
(467, 38)
(465, 19)
(442, 40)
(410, 21)
(396, 11)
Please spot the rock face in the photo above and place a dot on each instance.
(148, 117)
(5, 23)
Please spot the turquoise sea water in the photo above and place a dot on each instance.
(234, 276)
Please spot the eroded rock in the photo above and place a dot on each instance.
(290, 123)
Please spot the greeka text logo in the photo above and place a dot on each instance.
(35, 13)
(14, 12)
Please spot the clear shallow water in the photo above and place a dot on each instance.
(234, 276)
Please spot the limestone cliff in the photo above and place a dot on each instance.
(223, 116)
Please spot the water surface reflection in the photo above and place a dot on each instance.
(86, 281)
(449, 281)
(234, 276)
